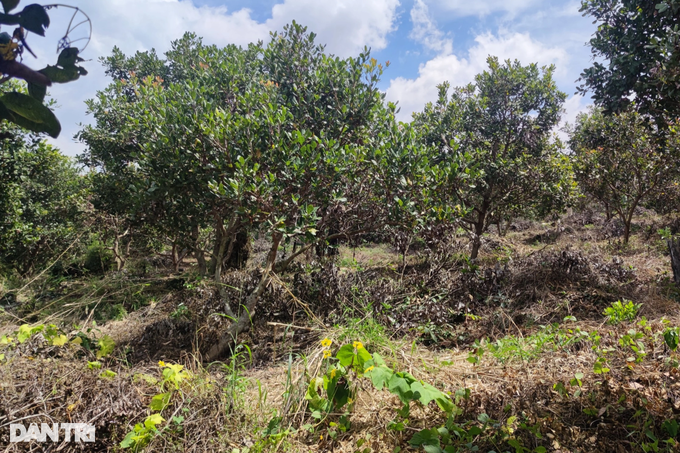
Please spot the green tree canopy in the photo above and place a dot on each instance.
(636, 56)
(623, 160)
(500, 130)
(280, 139)
(43, 199)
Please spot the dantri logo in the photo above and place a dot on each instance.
(73, 432)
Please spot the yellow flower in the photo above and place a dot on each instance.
(369, 369)
(326, 342)
(358, 344)
(333, 371)
(161, 363)
(326, 353)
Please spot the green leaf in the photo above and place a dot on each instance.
(346, 355)
(61, 75)
(69, 57)
(24, 333)
(426, 437)
(401, 388)
(30, 113)
(106, 346)
(128, 441)
(37, 91)
(380, 376)
(363, 356)
(670, 337)
(107, 374)
(152, 420)
(94, 365)
(312, 395)
(9, 5)
(35, 19)
(425, 393)
(59, 340)
(158, 402)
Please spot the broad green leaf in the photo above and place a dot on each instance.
(106, 346)
(59, 340)
(31, 114)
(425, 437)
(670, 337)
(37, 91)
(69, 57)
(35, 19)
(24, 333)
(94, 365)
(363, 356)
(425, 392)
(346, 355)
(400, 387)
(380, 376)
(152, 420)
(158, 402)
(128, 441)
(9, 5)
(339, 392)
(61, 75)
(378, 360)
(312, 395)
(107, 374)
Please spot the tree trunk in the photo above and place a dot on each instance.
(608, 212)
(240, 253)
(244, 320)
(175, 258)
(216, 247)
(198, 252)
(674, 249)
(477, 240)
(217, 276)
(626, 231)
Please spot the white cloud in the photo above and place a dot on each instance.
(425, 31)
(572, 107)
(346, 26)
(413, 94)
(485, 7)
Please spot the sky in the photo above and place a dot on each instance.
(426, 42)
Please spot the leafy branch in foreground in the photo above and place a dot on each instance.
(28, 110)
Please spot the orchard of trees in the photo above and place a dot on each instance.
(196, 153)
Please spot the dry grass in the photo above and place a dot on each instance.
(534, 276)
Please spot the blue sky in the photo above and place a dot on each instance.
(425, 41)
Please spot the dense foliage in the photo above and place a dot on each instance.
(623, 160)
(42, 201)
(500, 128)
(636, 55)
(27, 109)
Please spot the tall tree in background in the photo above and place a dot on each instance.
(624, 160)
(636, 56)
(500, 129)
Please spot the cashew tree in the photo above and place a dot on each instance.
(624, 159)
(282, 140)
(499, 129)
